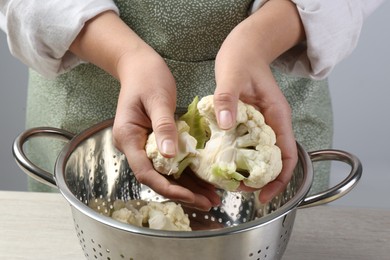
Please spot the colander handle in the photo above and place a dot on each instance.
(341, 188)
(25, 164)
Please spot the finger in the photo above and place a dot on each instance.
(274, 188)
(277, 114)
(161, 112)
(289, 161)
(191, 181)
(145, 174)
(226, 97)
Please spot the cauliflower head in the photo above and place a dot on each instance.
(245, 153)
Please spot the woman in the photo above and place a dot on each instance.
(139, 60)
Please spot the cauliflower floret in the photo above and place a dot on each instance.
(245, 153)
(176, 165)
(165, 216)
(155, 215)
(130, 216)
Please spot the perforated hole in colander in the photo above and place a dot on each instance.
(94, 250)
(274, 248)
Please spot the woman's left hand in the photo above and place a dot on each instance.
(243, 72)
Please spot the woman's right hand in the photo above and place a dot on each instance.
(147, 101)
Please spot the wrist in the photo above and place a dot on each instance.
(104, 40)
(142, 61)
(273, 29)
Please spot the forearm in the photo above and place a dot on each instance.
(104, 41)
(273, 29)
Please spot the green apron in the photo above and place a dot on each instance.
(188, 34)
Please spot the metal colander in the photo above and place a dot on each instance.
(91, 174)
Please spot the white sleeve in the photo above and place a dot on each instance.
(39, 33)
(332, 30)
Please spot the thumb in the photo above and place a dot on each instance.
(164, 128)
(225, 105)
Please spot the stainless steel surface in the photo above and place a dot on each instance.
(22, 160)
(90, 169)
(340, 189)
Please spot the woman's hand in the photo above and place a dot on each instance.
(243, 72)
(147, 100)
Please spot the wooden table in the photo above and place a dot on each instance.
(40, 226)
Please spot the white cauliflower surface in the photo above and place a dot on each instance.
(187, 149)
(245, 153)
(156, 215)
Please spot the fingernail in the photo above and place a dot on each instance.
(168, 148)
(225, 119)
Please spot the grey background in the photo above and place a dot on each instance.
(360, 92)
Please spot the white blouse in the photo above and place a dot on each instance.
(39, 33)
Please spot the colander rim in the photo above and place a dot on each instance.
(76, 204)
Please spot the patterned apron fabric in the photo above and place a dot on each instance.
(188, 34)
